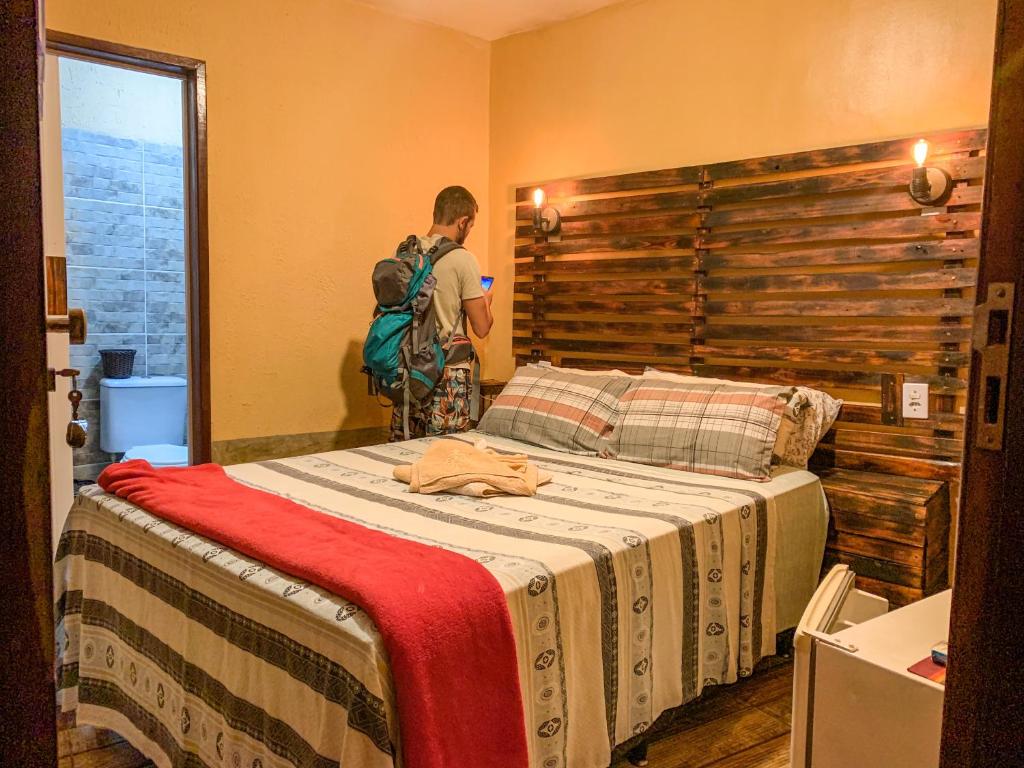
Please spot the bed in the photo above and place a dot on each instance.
(630, 589)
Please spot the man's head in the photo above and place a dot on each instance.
(454, 213)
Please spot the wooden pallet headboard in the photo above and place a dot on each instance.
(811, 268)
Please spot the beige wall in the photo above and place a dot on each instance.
(664, 83)
(331, 127)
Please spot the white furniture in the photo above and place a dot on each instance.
(854, 702)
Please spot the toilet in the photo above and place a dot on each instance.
(144, 418)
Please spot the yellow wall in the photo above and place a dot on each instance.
(664, 83)
(331, 128)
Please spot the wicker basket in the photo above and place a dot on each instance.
(117, 363)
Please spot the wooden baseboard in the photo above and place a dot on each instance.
(246, 449)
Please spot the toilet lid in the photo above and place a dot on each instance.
(160, 455)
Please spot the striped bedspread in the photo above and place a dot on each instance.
(630, 589)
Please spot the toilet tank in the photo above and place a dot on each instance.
(142, 411)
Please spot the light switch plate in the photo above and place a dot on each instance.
(915, 401)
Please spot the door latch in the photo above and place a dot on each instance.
(992, 323)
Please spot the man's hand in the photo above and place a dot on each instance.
(478, 311)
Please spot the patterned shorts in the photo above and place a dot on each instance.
(446, 411)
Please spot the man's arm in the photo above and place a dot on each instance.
(478, 311)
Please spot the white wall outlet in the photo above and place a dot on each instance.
(915, 401)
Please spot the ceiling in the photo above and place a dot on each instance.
(490, 19)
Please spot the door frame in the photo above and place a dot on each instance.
(984, 703)
(192, 72)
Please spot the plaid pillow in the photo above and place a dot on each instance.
(557, 409)
(714, 429)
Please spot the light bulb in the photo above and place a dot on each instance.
(920, 153)
(538, 197)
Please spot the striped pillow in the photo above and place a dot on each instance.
(557, 409)
(714, 429)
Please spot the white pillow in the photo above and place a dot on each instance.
(821, 414)
(584, 371)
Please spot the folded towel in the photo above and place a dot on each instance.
(452, 466)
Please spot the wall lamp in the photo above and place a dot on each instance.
(546, 221)
(928, 186)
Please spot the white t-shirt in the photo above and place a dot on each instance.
(458, 279)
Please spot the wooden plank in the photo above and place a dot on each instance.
(820, 378)
(621, 286)
(939, 542)
(907, 226)
(879, 528)
(878, 335)
(867, 546)
(880, 570)
(808, 356)
(769, 754)
(944, 143)
(122, 755)
(878, 495)
(602, 330)
(896, 465)
(836, 205)
(938, 250)
(660, 264)
(781, 708)
(636, 350)
(87, 737)
(884, 307)
(946, 449)
(718, 739)
(56, 285)
(629, 366)
(897, 503)
(874, 485)
(681, 223)
(605, 245)
(660, 201)
(862, 413)
(668, 177)
(834, 283)
(636, 305)
(960, 168)
(896, 595)
(937, 558)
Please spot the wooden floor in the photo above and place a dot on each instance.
(740, 726)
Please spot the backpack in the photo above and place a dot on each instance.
(403, 354)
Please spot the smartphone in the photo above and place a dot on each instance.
(487, 281)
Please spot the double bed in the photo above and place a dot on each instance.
(630, 589)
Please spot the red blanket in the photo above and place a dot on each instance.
(443, 617)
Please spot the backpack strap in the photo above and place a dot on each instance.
(440, 249)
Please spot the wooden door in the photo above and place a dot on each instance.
(27, 733)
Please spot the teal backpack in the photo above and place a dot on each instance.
(402, 354)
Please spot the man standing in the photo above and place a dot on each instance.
(458, 296)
